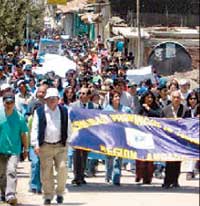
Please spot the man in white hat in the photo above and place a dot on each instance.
(48, 137)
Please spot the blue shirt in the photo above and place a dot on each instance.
(120, 46)
(121, 109)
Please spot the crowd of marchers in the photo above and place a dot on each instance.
(34, 115)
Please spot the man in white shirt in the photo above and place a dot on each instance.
(48, 137)
(132, 90)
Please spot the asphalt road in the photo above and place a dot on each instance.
(98, 193)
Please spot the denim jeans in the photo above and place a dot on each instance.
(113, 169)
(35, 182)
(70, 157)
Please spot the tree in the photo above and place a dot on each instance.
(13, 20)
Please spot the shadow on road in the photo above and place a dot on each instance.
(138, 188)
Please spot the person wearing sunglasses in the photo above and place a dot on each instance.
(80, 156)
(192, 103)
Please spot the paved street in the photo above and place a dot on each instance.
(97, 193)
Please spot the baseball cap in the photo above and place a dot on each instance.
(10, 53)
(162, 81)
(183, 82)
(28, 67)
(142, 90)
(8, 97)
(21, 81)
(132, 84)
(51, 92)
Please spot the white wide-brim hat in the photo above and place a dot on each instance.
(51, 92)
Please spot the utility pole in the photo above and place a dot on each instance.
(27, 31)
(139, 34)
(98, 11)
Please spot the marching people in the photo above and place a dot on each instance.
(184, 89)
(48, 125)
(48, 137)
(163, 97)
(132, 90)
(35, 185)
(3, 78)
(80, 156)
(23, 97)
(13, 131)
(149, 108)
(18, 73)
(125, 97)
(173, 110)
(69, 95)
(3, 89)
(113, 164)
(192, 103)
(172, 85)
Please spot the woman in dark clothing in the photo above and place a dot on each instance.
(69, 95)
(192, 104)
(163, 98)
(148, 107)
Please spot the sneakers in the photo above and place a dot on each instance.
(47, 202)
(12, 201)
(59, 199)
